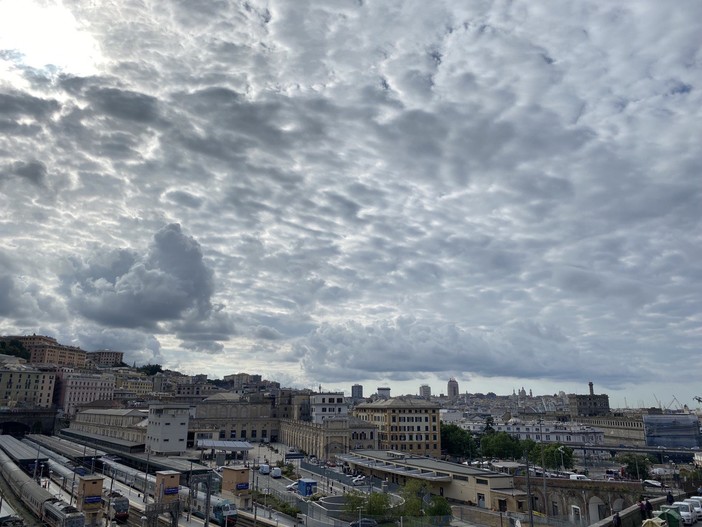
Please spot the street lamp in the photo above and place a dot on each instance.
(560, 449)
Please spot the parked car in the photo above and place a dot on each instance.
(686, 512)
(292, 486)
(696, 505)
(364, 522)
(358, 481)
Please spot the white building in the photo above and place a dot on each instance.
(323, 405)
(77, 389)
(167, 431)
(425, 391)
(569, 434)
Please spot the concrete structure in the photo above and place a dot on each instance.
(331, 437)
(452, 389)
(383, 392)
(588, 405)
(357, 392)
(123, 425)
(325, 405)
(456, 482)
(404, 424)
(167, 429)
(24, 386)
(77, 389)
(425, 391)
(105, 358)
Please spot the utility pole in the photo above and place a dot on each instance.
(543, 465)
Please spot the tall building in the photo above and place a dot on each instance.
(105, 358)
(404, 424)
(452, 389)
(588, 405)
(77, 389)
(383, 392)
(167, 429)
(357, 392)
(425, 391)
(325, 405)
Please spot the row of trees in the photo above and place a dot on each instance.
(461, 444)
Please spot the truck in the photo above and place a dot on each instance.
(264, 469)
(276, 472)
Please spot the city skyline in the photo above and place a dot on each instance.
(388, 193)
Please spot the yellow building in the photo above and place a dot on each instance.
(404, 424)
(22, 385)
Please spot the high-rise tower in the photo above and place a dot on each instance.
(452, 389)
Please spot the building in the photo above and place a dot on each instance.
(588, 405)
(130, 382)
(487, 489)
(383, 392)
(672, 431)
(127, 425)
(78, 389)
(167, 430)
(357, 392)
(105, 358)
(425, 391)
(404, 424)
(452, 389)
(325, 405)
(47, 350)
(24, 386)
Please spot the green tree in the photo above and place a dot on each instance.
(637, 466)
(489, 425)
(354, 501)
(378, 504)
(150, 369)
(439, 506)
(500, 445)
(458, 442)
(412, 494)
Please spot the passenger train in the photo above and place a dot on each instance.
(222, 511)
(49, 509)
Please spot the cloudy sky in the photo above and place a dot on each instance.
(375, 191)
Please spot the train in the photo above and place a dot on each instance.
(116, 504)
(51, 510)
(222, 511)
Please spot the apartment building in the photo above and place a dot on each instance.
(105, 358)
(22, 385)
(133, 383)
(325, 405)
(77, 389)
(47, 350)
(405, 424)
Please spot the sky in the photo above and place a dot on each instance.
(382, 192)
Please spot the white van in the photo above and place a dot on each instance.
(264, 469)
(580, 477)
(276, 472)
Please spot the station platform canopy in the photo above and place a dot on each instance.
(229, 446)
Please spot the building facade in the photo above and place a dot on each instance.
(588, 405)
(77, 389)
(326, 405)
(105, 358)
(404, 424)
(425, 391)
(167, 430)
(47, 350)
(24, 386)
(452, 389)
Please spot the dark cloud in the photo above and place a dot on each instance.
(122, 289)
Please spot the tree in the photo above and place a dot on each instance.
(458, 442)
(378, 503)
(500, 445)
(439, 506)
(637, 466)
(354, 501)
(150, 369)
(489, 425)
(412, 493)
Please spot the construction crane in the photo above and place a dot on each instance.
(698, 399)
